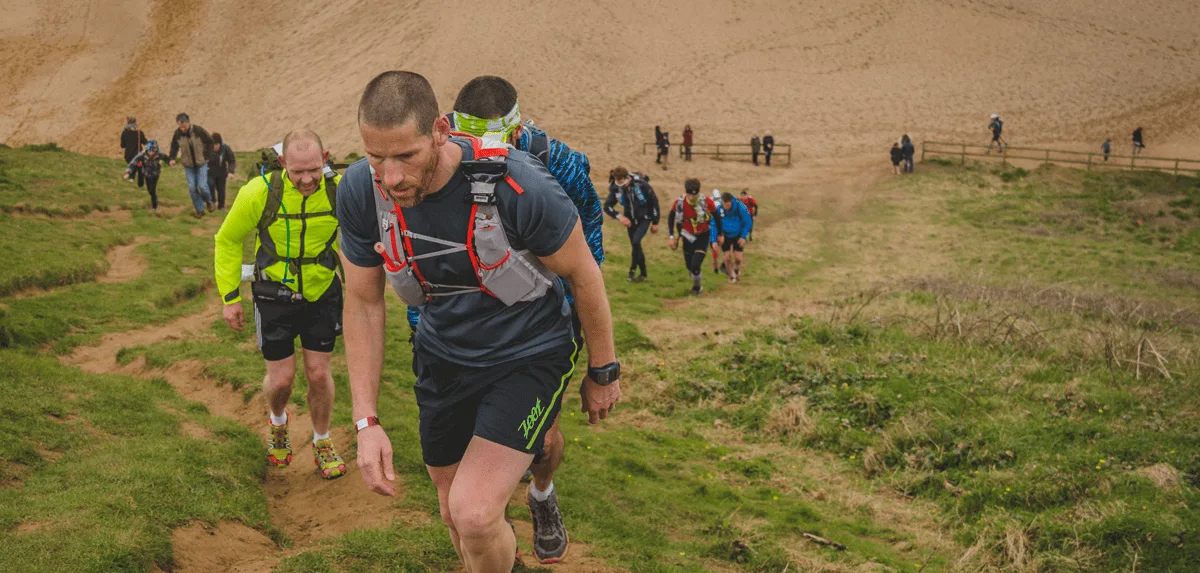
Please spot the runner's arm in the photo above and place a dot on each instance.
(652, 203)
(610, 204)
(364, 317)
(174, 145)
(671, 220)
(747, 222)
(573, 263)
(241, 221)
(572, 170)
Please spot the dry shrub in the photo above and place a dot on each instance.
(1164, 476)
(791, 419)
(1001, 550)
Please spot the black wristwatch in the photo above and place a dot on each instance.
(605, 375)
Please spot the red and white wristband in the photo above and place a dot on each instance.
(366, 423)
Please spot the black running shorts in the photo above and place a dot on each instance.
(318, 324)
(512, 404)
(731, 243)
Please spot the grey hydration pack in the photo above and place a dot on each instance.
(510, 276)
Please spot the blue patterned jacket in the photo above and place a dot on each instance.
(573, 172)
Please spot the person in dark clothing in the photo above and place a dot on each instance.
(897, 157)
(221, 167)
(148, 166)
(907, 151)
(1106, 147)
(755, 146)
(687, 143)
(1138, 143)
(768, 145)
(659, 145)
(132, 141)
(640, 214)
(693, 214)
(997, 127)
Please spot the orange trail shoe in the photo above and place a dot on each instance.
(327, 459)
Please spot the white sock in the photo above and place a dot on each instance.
(318, 437)
(540, 495)
(279, 420)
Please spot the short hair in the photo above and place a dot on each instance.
(182, 117)
(393, 98)
(727, 197)
(691, 185)
(217, 138)
(299, 137)
(486, 97)
(620, 173)
(745, 193)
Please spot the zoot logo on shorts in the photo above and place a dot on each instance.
(528, 424)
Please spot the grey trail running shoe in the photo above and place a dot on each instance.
(549, 535)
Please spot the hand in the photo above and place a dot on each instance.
(720, 238)
(654, 229)
(597, 400)
(171, 163)
(229, 176)
(375, 460)
(234, 316)
(673, 242)
(716, 247)
(624, 220)
(125, 176)
(742, 243)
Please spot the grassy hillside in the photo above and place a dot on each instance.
(976, 370)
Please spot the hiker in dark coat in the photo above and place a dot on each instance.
(897, 157)
(907, 151)
(132, 141)
(221, 167)
(1138, 143)
(755, 146)
(768, 143)
(687, 142)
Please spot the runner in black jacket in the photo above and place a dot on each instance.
(640, 213)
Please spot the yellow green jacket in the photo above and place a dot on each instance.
(312, 226)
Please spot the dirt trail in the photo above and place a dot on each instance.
(124, 264)
(299, 500)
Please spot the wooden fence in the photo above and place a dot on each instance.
(733, 150)
(1091, 160)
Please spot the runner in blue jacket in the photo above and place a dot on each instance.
(729, 234)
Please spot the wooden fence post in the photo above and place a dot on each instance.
(1047, 157)
(964, 155)
(718, 151)
(1177, 168)
(923, 145)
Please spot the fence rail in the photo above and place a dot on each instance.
(735, 150)
(1092, 160)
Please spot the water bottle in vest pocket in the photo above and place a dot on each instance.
(510, 276)
(401, 277)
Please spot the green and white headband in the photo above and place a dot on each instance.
(480, 127)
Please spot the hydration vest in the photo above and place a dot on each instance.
(268, 252)
(508, 275)
(702, 215)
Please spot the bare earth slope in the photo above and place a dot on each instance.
(828, 75)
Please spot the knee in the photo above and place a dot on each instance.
(281, 375)
(316, 372)
(472, 518)
(448, 519)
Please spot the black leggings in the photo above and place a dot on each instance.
(637, 232)
(152, 187)
(694, 253)
(216, 184)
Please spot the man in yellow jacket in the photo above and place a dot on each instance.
(296, 287)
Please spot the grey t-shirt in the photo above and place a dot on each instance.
(474, 329)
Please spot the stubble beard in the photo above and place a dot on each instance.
(421, 189)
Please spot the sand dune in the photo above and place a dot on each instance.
(831, 76)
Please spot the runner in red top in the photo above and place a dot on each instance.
(693, 214)
(752, 206)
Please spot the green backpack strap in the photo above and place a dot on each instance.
(274, 200)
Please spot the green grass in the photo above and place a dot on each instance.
(997, 400)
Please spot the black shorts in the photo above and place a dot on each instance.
(995, 136)
(512, 404)
(731, 243)
(318, 324)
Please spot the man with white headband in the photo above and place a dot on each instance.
(487, 107)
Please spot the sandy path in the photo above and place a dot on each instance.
(298, 499)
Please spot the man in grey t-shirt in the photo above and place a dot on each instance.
(490, 375)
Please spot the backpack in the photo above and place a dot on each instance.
(701, 207)
(268, 254)
(268, 162)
